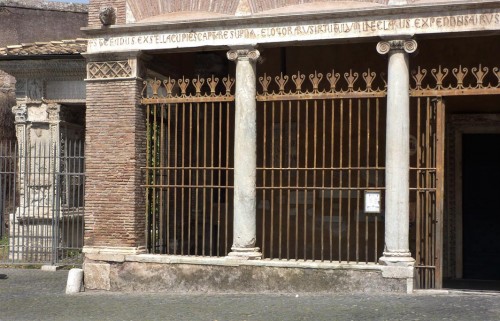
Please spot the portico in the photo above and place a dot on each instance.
(259, 169)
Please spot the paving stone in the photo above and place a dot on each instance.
(39, 295)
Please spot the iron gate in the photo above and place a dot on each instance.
(426, 189)
(189, 166)
(321, 146)
(41, 203)
(429, 89)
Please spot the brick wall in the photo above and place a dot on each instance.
(96, 5)
(115, 151)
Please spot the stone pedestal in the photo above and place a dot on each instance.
(245, 155)
(396, 251)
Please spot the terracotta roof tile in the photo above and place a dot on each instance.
(62, 47)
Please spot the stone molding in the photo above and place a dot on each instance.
(109, 250)
(406, 45)
(243, 54)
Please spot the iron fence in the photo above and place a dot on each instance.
(189, 169)
(321, 147)
(41, 202)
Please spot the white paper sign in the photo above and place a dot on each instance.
(372, 201)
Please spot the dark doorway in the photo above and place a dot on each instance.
(481, 206)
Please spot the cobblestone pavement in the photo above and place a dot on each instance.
(39, 295)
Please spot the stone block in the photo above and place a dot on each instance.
(96, 276)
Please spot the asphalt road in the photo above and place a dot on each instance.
(39, 295)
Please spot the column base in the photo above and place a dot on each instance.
(245, 253)
(397, 259)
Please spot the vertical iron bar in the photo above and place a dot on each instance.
(368, 166)
(315, 157)
(349, 176)
(273, 166)
(168, 150)
(358, 183)
(323, 165)
(204, 210)
(183, 171)
(288, 208)
(377, 137)
(332, 178)
(306, 183)
(264, 182)
(297, 179)
(280, 205)
(440, 159)
(341, 174)
(162, 236)
(212, 165)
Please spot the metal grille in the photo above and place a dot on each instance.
(41, 203)
(428, 87)
(189, 172)
(321, 147)
(423, 190)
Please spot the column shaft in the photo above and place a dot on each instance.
(245, 159)
(397, 211)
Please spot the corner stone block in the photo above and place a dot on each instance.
(96, 276)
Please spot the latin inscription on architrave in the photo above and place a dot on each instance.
(293, 32)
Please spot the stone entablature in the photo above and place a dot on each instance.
(56, 80)
(364, 23)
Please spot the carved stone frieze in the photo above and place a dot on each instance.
(109, 70)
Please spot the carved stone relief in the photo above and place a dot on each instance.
(34, 89)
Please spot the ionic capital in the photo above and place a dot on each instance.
(243, 54)
(406, 45)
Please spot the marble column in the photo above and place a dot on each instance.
(396, 250)
(245, 159)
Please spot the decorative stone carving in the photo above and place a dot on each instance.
(243, 54)
(407, 45)
(109, 70)
(20, 113)
(107, 15)
(53, 111)
(34, 89)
